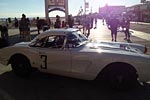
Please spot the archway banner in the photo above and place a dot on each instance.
(56, 3)
(52, 5)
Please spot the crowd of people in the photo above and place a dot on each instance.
(114, 23)
(87, 21)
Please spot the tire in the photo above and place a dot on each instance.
(122, 80)
(120, 76)
(21, 66)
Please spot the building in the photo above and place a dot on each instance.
(139, 12)
(111, 10)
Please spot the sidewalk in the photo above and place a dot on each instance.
(140, 26)
(141, 35)
(141, 23)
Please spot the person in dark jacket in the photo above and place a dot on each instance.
(127, 27)
(24, 25)
(4, 32)
(58, 22)
(70, 21)
(38, 25)
(114, 22)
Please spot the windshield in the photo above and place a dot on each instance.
(34, 41)
(76, 39)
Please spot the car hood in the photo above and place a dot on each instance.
(131, 47)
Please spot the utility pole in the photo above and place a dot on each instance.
(84, 6)
(66, 10)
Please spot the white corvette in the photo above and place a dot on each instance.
(68, 52)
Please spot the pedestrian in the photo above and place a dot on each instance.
(25, 28)
(4, 32)
(95, 21)
(122, 23)
(91, 20)
(127, 27)
(49, 23)
(87, 25)
(63, 24)
(20, 30)
(70, 21)
(57, 22)
(16, 22)
(38, 24)
(114, 22)
(83, 22)
(103, 20)
(45, 26)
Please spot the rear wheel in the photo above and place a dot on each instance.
(120, 76)
(21, 66)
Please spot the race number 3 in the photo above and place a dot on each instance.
(44, 62)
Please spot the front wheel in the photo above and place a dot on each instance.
(21, 66)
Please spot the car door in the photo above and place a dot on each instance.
(81, 61)
(54, 59)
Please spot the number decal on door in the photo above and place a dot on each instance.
(44, 62)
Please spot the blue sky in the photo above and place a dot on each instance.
(34, 8)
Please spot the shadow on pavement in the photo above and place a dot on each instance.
(42, 86)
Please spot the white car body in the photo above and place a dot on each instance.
(84, 61)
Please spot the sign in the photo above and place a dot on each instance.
(56, 3)
(52, 5)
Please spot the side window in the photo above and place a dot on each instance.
(55, 41)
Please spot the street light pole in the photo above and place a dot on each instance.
(85, 7)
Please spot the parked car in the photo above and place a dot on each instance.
(68, 52)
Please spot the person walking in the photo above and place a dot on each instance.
(70, 21)
(127, 27)
(95, 21)
(87, 26)
(38, 24)
(58, 22)
(16, 22)
(114, 22)
(4, 32)
(25, 28)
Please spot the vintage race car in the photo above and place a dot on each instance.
(68, 52)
